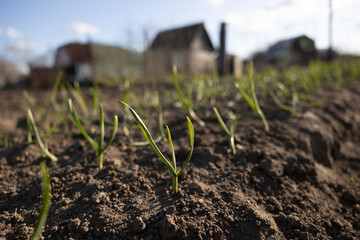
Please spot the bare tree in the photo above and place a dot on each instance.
(9, 73)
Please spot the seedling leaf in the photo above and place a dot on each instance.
(38, 138)
(44, 210)
(172, 167)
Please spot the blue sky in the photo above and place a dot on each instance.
(33, 28)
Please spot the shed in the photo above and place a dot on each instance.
(189, 48)
(92, 61)
(297, 50)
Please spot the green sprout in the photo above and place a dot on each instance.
(303, 99)
(294, 102)
(76, 92)
(28, 129)
(230, 132)
(127, 100)
(59, 110)
(55, 89)
(160, 126)
(44, 210)
(160, 120)
(187, 105)
(97, 145)
(247, 89)
(3, 140)
(172, 166)
(43, 148)
(95, 98)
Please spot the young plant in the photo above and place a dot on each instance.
(127, 100)
(3, 140)
(230, 132)
(247, 89)
(160, 126)
(43, 112)
(172, 166)
(187, 105)
(44, 150)
(44, 210)
(77, 93)
(95, 98)
(97, 145)
(294, 102)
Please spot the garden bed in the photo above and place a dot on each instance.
(300, 180)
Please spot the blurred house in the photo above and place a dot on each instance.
(190, 49)
(42, 77)
(297, 50)
(93, 62)
(89, 62)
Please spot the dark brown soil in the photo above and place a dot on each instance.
(299, 181)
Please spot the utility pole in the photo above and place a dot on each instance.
(222, 51)
(330, 50)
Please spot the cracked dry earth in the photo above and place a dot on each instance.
(298, 181)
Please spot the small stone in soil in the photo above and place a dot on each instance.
(139, 224)
(74, 224)
(170, 210)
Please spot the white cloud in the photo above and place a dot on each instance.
(83, 29)
(215, 2)
(24, 46)
(13, 33)
(277, 4)
(276, 16)
(258, 28)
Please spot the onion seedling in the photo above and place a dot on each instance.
(97, 145)
(95, 98)
(4, 140)
(172, 166)
(44, 210)
(247, 89)
(292, 108)
(160, 126)
(230, 132)
(43, 149)
(76, 92)
(188, 106)
(125, 117)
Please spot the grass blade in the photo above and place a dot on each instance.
(55, 88)
(38, 138)
(148, 137)
(221, 121)
(44, 210)
(76, 121)
(113, 133)
(102, 127)
(172, 148)
(191, 134)
(178, 90)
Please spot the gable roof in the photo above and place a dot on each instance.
(180, 38)
(302, 43)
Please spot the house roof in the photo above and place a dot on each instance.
(96, 52)
(302, 43)
(180, 38)
(77, 52)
